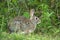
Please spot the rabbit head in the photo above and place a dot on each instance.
(35, 20)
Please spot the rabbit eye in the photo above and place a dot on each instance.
(36, 18)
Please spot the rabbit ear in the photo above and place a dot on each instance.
(31, 13)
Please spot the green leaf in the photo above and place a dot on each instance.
(26, 14)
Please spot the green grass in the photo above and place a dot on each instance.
(50, 23)
(14, 36)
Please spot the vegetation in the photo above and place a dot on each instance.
(15, 36)
(46, 10)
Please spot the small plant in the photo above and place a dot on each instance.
(26, 15)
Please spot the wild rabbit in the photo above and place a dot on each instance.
(23, 25)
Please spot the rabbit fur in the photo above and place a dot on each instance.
(24, 25)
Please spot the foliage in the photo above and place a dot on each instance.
(47, 11)
(26, 15)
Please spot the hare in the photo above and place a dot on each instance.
(23, 25)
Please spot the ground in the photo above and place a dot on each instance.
(14, 36)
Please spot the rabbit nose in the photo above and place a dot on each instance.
(39, 21)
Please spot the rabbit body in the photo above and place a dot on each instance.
(23, 25)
